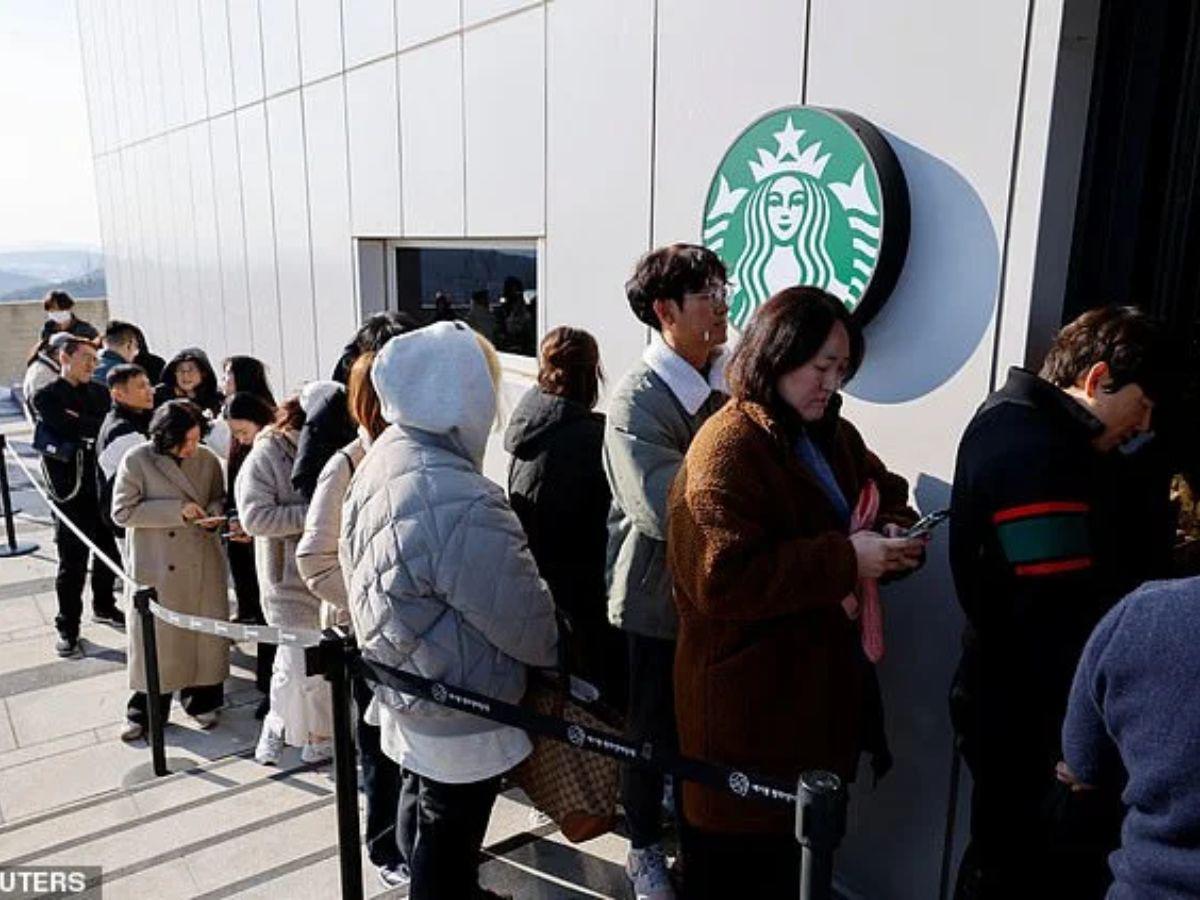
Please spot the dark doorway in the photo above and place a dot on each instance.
(1137, 236)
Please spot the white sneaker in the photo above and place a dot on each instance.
(206, 720)
(321, 751)
(647, 870)
(394, 876)
(270, 746)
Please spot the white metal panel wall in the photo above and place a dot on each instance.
(504, 85)
(191, 59)
(231, 234)
(419, 21)
(183, 306)
(374, 148)
(169, 62)
(475, 11)
(329, 215)
(598, 123)
(218, 62)
(207, 246)
(370, 27)
(245, 41)
(285, 129)
(281, 45)
(716, 74)
(260, 238)
(320, 23)
(127, 57)
(153, 83)
(431, 134)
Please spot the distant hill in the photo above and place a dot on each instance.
(89, 284)
(11, 282)
(50, 265)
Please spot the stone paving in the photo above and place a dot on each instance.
(220, 826)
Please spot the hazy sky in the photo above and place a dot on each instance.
(47, 191)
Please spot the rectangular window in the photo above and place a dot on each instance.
(491, 286)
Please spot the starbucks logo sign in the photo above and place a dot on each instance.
(809, 196)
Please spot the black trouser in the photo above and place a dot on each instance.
(391, 793)
(194, 700)
(84, 511)
(721, 866)
(651, 718)
(451, 821)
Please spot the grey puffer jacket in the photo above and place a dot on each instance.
(441, 582)
(272, 511)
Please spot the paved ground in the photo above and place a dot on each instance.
(221, 826)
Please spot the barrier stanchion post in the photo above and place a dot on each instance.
(820, 826)
(332, 659)
(12, 548)
(158, 750)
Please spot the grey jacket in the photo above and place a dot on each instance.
(441, 580)
(272, 511)
(645, 439)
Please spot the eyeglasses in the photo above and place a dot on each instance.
(717, 296)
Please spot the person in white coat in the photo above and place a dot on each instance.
(442, 584)
(272, 512)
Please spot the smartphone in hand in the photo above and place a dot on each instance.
(926, 524)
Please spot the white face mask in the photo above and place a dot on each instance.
(61, 316)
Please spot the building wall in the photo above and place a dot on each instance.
(241, 146)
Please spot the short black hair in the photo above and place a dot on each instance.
(171, 423)
(667, 274)
(371, 336)
(57, 300)
(119, 332)
(784, 334)
(1133, 344)
(123, 374)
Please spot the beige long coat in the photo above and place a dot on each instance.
(184, 562)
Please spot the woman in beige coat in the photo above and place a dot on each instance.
(169, 496)
(272, 512)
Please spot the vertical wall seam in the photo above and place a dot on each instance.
(190, 168)
(542, 311)
(399, 116)
(237, 143)
(212, 176)
(462, 111)
(354, 273)
(308, 214)
(804, 63)
(653, 119)
(262, 64)
(1018, 131)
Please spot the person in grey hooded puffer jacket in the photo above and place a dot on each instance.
(442, 584)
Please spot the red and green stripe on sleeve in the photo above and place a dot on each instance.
(1049, 538)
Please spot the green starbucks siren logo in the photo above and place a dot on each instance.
(809, 196)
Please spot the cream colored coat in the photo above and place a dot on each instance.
(184, 562)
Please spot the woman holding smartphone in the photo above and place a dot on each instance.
(780, 520)
(169, 496)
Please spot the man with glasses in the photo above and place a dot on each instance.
(656, 410)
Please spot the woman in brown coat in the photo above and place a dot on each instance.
(169, 496)
(769, 666)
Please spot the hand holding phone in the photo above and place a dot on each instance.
(926, 524)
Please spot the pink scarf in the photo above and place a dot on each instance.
(863, 603)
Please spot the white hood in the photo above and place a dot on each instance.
(316, 392)
(436, 379)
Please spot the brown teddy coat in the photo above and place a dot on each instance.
(769, 675)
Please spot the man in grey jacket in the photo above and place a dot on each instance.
(655, 411)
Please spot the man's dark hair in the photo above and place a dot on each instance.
(171, 422)
(123, 374)
(784, 334)
(57, 300)
(667, 274)
(119, 332)
(1124, 337)
(71, 344)
(372, 335)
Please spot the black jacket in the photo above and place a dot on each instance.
(1032, 551)
(122, 429)
(558, 489)
(327, 429)
(77, 327)
(73, 413)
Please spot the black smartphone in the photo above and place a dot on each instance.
(926, 524)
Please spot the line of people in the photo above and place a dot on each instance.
(709, 553)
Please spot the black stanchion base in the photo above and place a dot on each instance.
(19, 550)
(140, 774)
